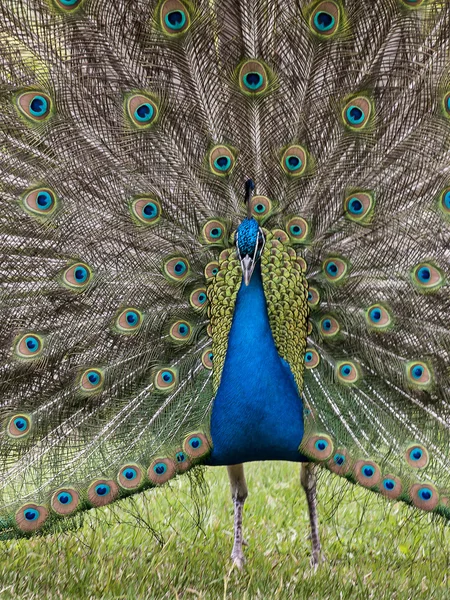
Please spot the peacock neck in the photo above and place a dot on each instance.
(257, 413)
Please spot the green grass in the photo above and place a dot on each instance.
(374, 549)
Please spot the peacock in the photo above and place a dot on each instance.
(224, 239)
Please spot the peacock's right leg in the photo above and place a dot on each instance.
(308, 481)
(239, 494)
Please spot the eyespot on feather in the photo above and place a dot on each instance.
(313, 297)
(141, 110)
(174, 18)
(416, 455)
(391, 486)
(298, 230)
(324, 19)
(34, 105)
(68, 5)
(19, 426)
(280, 236)
(40, 202)
(102, 492)
(424, 496)
(176, 268)
(253, 77)
(211, 270)
(418, 374)
(165, 379)
(444, 199)
(214, 232)
(427, 277)
(367, 473)
(196, 445)
(161, 470)
(182, 462)
(294, 160)
(181, 331)
(145, 211)
(31, 517)
(359, 206)
(130, 476)
(357, 112)
(198, 299)
(329, 326)
(129, 320)
(207, 358)
(335, 269)
(77, 277)
(318, 447)
(221, 160)
(65, 501)
(312, 358)
(347, 372)
(28, 346)
(412, 4)
(378, 317)
(340, 462)
(91, 381)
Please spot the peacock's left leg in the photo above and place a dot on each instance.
(239, 494)
(308, 481)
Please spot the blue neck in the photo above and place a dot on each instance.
(257, 413)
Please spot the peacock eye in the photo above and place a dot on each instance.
(423, 496)
(28, 346)
(176, 269)
(253, 77)
(418, 374)
(180, 457)
(198, 298)
(19, 426)
(298, 229)
(417, 456)
(207, 358)
(324, 20)
(312, 358)
(335, 269)
(91, 380)
(141, 110)
(146, 211)
(221, 160)
(65, 501)
(294, 160)
(357, 112)
(165, 379)
(40, 202)
(180, 331)
(129, 320)
(196, 445)
(35, 106)
(427, 277)
(77, 276)
(347, 372)
(130, 477)
(378, 317)
(329, 326)
(214, 232)
(174, 17)
(68, 5)
(211, 270)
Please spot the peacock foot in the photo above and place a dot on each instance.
(238, 558)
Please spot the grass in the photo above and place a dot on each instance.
(375, 549)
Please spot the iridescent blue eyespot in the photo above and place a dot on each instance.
(102, 489)
(160, 468)
(346, 370)
(417, 371)
(202, 298)
(183, 329)
(389, 484)
(310, 297)
(295, 229)
(215, 232)
(416, 454)
(253, 80)
(368, 471)
(180, 267)
(355, 206)
(326, 323)
(180, 457)
(80, 274)
(354, 115)
(425, 494)
(31, 514)
(339, 459)
(332, 268)
(150, 210)
(446, 199)
(222, 163)
(293, 163)
(167, 376)
(130, 474)
(195, 443)
(424, 274)
(38, 106)
(68, 2)
(44, 200)
(32, 343)
(144, 112)
(309, 357)
(323, 21)
(132, 317)
(176, 19)
(375, 315)
(321, 445)
(65, 498)
(21, 424)
(93, 377)
(259, 208)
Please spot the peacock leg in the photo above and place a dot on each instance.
(239, 494)
(308, 481)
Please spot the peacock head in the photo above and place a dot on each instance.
(249, 243)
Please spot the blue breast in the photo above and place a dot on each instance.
(257, 413)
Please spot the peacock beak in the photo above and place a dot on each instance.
(247, 266)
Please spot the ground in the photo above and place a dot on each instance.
(374, 549)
